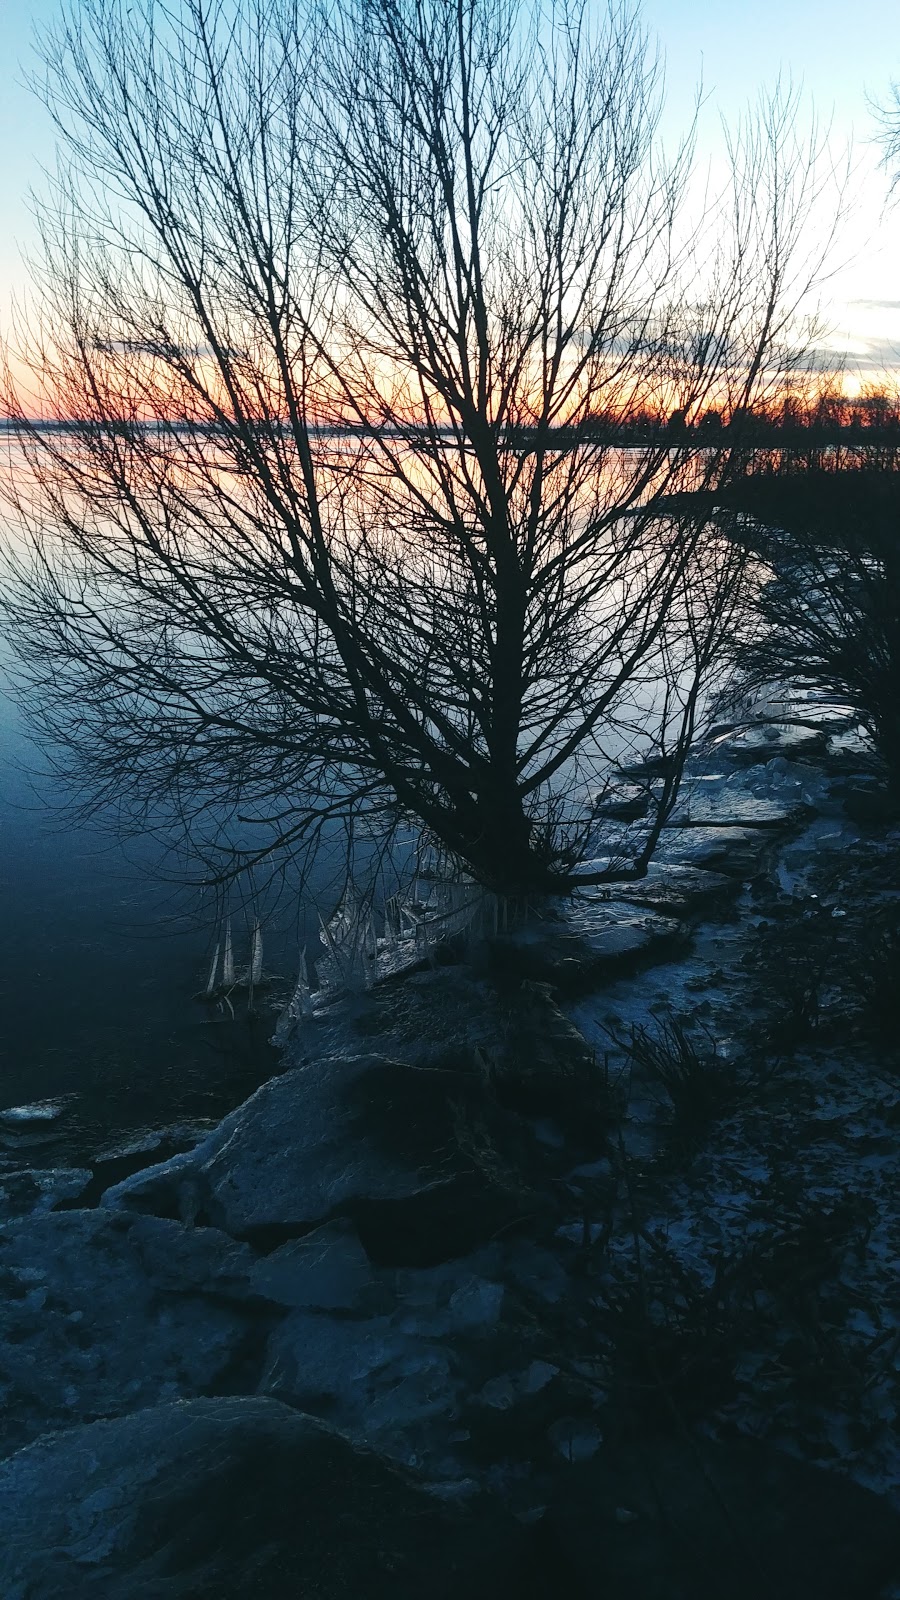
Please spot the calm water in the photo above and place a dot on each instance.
(99, 963)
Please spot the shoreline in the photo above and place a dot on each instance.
(608, 1210)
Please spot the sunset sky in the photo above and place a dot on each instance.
(840, 54)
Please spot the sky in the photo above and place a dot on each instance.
(840, 53)
(842, 56)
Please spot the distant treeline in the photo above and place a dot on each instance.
(869, 420)
(822, 422)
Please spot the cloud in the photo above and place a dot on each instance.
(879, 355)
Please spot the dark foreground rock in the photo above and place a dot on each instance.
(392, 1146)
(102, 1312)
(236, 1499)
(689, 1520)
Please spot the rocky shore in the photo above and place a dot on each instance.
(568, 1268)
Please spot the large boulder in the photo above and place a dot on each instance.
(545, 1066)
(241, 1499)
(422, 1159)
(440, 1018)
(101, 1312)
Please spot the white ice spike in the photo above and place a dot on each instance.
(256, 954)
(228, 960)
(211, 980)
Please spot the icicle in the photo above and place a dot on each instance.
(299, 1006)
(228, 961)
(256, 954)
(211, 980)
(303, 993)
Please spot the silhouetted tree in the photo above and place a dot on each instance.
(319, 288)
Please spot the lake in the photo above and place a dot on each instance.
(100, 959)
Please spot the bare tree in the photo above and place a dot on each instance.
(360, 321)
(827, 616)
(887, 115)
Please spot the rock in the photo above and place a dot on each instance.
(396, 1379)
(504, 1392)
(677, 891)
(431, 1019)
(396, 1148)
(708, 1520)
(536, 1271)
(454, 1297)
(591, 939)
(575, 1438)
(536, 1059)
(102, 1312)
(546, 1066)
(179, 1135)
(326, 1270)
(870, 807)
(38, 1111)
(474, 1306)
(713, 801)
(395, 1392)
(747, 746)
(242, 1499)
(622, 802)
(24, 1191)
(737, 852)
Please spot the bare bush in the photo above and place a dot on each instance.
(829, 616)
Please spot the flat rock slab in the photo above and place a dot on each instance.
(712, 802)
(622, 802)
(241, 1499)
(379, 1141)
(747, 746)
(677, 891)
(102, 1312)
(591, 939)
(668, 1522)
(36, 1111)
(737, 852)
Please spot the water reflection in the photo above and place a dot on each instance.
(99, 961)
